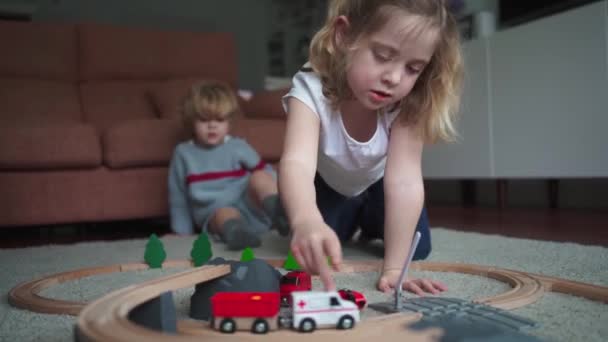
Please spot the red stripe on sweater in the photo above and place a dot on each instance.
(201, 177)
(260, 166)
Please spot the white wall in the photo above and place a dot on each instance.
(472, 6)
(543, 100)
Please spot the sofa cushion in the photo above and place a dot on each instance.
(140, 143)
(51, 146)
(112, 102)
(38, 50)
(128, 53)
(167, 96)
(265, 135)
(265, 104)
(28, 101)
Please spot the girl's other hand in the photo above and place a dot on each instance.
(388, 281)
(312, 243)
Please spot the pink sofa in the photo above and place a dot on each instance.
(88, 118)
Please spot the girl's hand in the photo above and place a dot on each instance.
(388, 281)
(312, 243)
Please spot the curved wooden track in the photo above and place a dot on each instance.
(106, 319)
(526, 288)
(27, 295)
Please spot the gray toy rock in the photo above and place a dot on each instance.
(157, 314)
(250, 276)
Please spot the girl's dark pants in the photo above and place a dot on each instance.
(366, 210)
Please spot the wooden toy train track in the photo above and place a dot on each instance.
(106, 319)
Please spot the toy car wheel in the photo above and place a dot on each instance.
(259, 326)
(346, 322)
(284, 322)
(308, 325)
(227, 325)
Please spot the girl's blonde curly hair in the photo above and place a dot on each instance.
(433, 102)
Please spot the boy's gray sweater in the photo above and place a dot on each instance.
(202, 180)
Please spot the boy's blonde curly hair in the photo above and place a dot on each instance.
(209, 100)
(433, 101)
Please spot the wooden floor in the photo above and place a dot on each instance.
(589, 227)
(580, 226)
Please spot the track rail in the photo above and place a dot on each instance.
(27, 295)
(525, 288)
(106, 319)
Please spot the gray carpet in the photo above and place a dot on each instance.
(561, 317)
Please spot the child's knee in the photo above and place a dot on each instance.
(222, 215)
(261, 181)
(261, 175)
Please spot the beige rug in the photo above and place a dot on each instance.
(561, 317)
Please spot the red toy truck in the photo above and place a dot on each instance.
(254, 311)
(356, 297)
(294, 281)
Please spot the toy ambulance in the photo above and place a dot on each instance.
(320, 309)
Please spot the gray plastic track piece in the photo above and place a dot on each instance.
(463, 320)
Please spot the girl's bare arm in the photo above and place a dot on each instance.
(313, 240)
(299, 162)
(404, 193)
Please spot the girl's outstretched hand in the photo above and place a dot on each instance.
(388, 281)
(312, 243)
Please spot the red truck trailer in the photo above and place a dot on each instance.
(254, 311)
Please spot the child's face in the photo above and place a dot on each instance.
(210, 132)
(386, 64)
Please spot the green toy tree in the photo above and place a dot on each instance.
(291, 264)
(247, 254)
(201, 250)
(155, 252)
